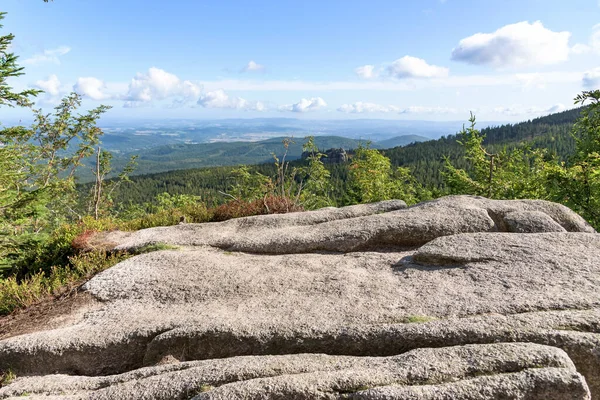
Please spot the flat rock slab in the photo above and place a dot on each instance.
(379, 288)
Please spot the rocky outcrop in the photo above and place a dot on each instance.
(330, 156)
(461, 297)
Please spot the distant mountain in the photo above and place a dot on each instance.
(135, 136)
(425, 160)
(400, 141)
(184, 156)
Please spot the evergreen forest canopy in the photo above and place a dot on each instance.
(426, 161)
(46, 219)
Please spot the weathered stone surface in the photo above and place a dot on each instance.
(362, 227)
(540, 384)
(382, 289)
(314, 376)
(530, 222)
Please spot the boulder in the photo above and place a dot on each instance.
(461, 297)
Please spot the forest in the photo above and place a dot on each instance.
(426, 161)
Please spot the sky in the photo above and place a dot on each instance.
(504, 60)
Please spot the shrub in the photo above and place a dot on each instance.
(193, 212)
(268, 205)
(17, 294)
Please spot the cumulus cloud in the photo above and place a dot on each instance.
(427, 110)
(593, 43)
(519, 110)
(364, 107)
(591, 79)
(413, 67)
(47, 56)
(91, 87)
(158, 84)
(516, 45)
(253, 67)
(366, 72)
(532, 81)
(51, 85)
(305, 105)
(220, 99)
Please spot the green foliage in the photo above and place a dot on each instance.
(10, 69)
(21, 293)
(515, 173)
(249, 185)
(427, 160)
(576, 183)
(316, 190)
(307, 185)
(193, 212)
(372, 179)
(418, 319)
(39, 194)
(285, 183)
(6, 377)
(149, 248)
(370, 174)
(101, 200)
(168, 201)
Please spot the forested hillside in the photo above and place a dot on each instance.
(424, 159)
(185, 156)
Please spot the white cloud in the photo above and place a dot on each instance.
(593, 43)
(519, 110)
(532, 80)
(158, 84)
(413, 67)
(220, 99)
(428, 110)
(364, 107)
(516, 45)
(591, 79)
(580, 48)
(47, 56)
(366, 72)
(456, 81)
(51, 85)
(305, 105)
(91, 87)
(253, 67)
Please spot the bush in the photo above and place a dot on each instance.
(241, 208)
(17, 294)
(196, 213)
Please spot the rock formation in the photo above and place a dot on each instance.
(457, 298)
(330, 156)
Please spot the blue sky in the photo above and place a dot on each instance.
(396, 59)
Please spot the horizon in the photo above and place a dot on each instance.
(507, 61)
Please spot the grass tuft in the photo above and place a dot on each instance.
(6, 377)
(418, 319)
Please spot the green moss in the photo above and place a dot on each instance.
(418, 319)
(6, 377)
(205, 388)
(149, 248)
